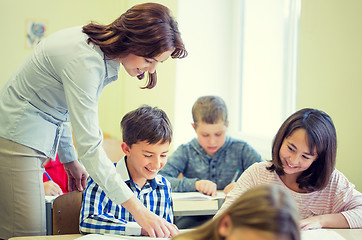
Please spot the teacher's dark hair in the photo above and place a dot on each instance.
(321, 135)
(146, 30)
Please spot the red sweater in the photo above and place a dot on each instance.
(56, 171)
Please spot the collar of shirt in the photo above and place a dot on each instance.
(112, 66)
(196, 145)
(121, 168)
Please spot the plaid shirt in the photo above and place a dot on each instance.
(100, 215)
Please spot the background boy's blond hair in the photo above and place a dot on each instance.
(209, 109)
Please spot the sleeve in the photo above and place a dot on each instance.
(348, 201)
(176, 164)
(250, 156)
(168, 204)
(246, 181)
(82, 79)
(98, 214)
(66, 150)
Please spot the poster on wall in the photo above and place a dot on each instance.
(35, 31)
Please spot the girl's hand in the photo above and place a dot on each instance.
(52, 189)
(334, 220)
(311, 223)
(229, 187)
(206, 187)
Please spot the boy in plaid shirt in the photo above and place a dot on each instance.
(147, 134)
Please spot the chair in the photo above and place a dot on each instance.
(112, 147)
(66, 212)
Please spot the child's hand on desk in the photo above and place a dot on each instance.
(311, 223)
(206, 187)
(229, 187)
(52, 189)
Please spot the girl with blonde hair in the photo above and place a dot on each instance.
(265, 212)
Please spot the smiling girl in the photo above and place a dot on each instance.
(303, 160)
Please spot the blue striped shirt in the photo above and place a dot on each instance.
(100, 215)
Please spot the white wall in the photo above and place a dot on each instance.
(207, 30)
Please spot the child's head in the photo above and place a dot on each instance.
(210, 122)
(147, 134)
(317, 135)
(265, 212)
(209, 109)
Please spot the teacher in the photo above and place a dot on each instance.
(61, 82)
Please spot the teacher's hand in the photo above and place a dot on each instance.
(77, 176)
(154, 225)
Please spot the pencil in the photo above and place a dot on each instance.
(50, 179)
(236, 175)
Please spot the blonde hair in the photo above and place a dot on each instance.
(209, 109)
(268, 208)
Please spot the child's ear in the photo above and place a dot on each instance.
(227, 124)
(125, 148)
(225, 226)
(194, 126)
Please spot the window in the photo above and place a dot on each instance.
(246, 53)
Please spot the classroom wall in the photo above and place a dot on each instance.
(58, 15)
(330, 73)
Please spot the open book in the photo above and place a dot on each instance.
(196, 196)
(321, 234)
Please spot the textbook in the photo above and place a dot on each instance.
(321, 234)
(94, 236)
(196, 196)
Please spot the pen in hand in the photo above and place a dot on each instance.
(235, 176)
(50, 179)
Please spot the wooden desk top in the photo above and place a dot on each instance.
(49, 237)
(348, 234)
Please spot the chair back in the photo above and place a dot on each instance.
(66, 212)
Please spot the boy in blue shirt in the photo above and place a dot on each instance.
(209, 162)
(147, 134)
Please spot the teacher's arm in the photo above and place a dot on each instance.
(82, 80)
(77, 176)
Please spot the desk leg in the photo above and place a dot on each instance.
(49, 218)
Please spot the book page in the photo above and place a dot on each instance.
(114, 237)
(321, 234)
(196, 196)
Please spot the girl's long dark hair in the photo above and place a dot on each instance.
(321, 135)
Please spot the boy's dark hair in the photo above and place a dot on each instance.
(146, 124)
(321, 135)
(209, 109)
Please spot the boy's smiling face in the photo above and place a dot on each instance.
(145, 160)
(211, 136)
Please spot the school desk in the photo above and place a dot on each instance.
(347, 234)
(184, 204)
(196, 203)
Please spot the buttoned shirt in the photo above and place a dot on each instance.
(195, 164)
(61, 82)
(100, 215)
